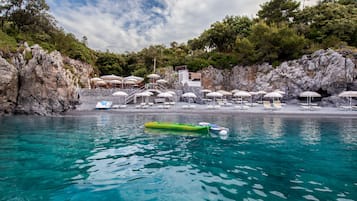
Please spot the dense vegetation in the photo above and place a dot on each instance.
(281, 31)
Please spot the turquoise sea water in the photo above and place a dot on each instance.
(110, 157)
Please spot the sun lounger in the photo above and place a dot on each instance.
(191, 106)
(185, 107)
(115, 107)
(122, 106)
(277, 105)
(267, 105)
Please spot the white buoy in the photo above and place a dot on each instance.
(223, 132)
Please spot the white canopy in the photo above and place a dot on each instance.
(164, 95)
(310, 94)
(206, 90)
(242, 94)
(120, 93)
(153, 76)
(235, 91)
(348, 94)
(224, 93)
(189, 95)
(111, 77)
(144, 94)
(279, 91)
(214, 94)
(135, 78)
(261, 92)
(95, 79)
(273, 94)
(161, 81)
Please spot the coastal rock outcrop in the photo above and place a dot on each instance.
(325, 71)
(8, 87)
(41, 83)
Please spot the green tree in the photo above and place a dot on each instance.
(329, 19)
(222, 35)
(277, 11)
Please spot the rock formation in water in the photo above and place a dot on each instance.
(37, 82)
(325, 71)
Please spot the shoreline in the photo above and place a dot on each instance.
(286, 111)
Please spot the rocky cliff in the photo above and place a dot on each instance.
(37, 82)
(325, 71)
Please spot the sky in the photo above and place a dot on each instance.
(131, 25)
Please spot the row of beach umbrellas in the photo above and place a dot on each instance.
(130, 80)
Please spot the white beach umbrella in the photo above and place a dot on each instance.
(242, 94)
(235, 91)
(95, 79)
(143, 94)
(101, 83)
(161, 81)
(165, 95)
(111, 77)
(134, 78)
(273, 95)
(153, 76)
(261, 92)
(214, 95)
(121, 94)
(224, 93)
(206, 90)
(349, 95)
(279, 91)
(171, 92)
(189, 95)
(309, 95)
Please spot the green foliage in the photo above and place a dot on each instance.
(327, 20)
(141, 72)
(270, 44)
(222, 35)
(28, 55)
(109, 63)
(277, 11)
(196, 64)
(8, 44)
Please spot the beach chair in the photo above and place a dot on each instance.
(267, 105)
(277, 105)
(210, 107)
(115, 106)
(122, 106)
(191, 106)
(185, 107)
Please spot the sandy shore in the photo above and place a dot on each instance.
(287, 110)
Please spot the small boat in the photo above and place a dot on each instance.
(177, 127)
(215, 128)
(103, 105)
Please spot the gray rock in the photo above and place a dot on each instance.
(46, 84)
(325, 71)
(8, 87)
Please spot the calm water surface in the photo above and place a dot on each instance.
(111, 157)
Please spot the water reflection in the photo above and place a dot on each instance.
(310, 131)
(349, 131)
(273, 126)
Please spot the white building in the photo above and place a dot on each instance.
(189, 78)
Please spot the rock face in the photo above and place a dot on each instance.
(325, 71)
(45, 84)
(8, 87)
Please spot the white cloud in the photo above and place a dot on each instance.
(130, 25)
